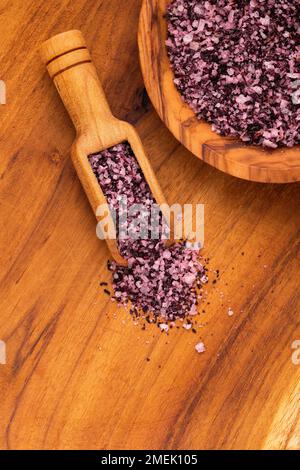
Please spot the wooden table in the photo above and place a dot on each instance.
(77, 374)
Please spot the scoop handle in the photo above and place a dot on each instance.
(71, 68)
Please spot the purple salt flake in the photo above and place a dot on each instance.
(268, 143)
(164, 327)
(187, 39)
(189, 278)
(241, 99)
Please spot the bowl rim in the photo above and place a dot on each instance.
(228, 154)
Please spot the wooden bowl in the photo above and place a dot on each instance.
(227, 154)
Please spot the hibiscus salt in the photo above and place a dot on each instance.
(160, 282)
(237, 64)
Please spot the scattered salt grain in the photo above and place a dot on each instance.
(164, 327)
(200, 348)
(230, 312)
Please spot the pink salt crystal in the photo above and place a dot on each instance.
(269, 143)
(164, 327)
(200, 348)
(189, 278)
(193, 310)
(257, 89)
(194, 46)
(241, 99)
(265, 21)
(188, 38)
(230, 312)
(167, 254)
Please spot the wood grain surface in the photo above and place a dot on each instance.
(226, 154)
(77, 374)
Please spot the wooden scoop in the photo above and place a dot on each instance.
(70, 66)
